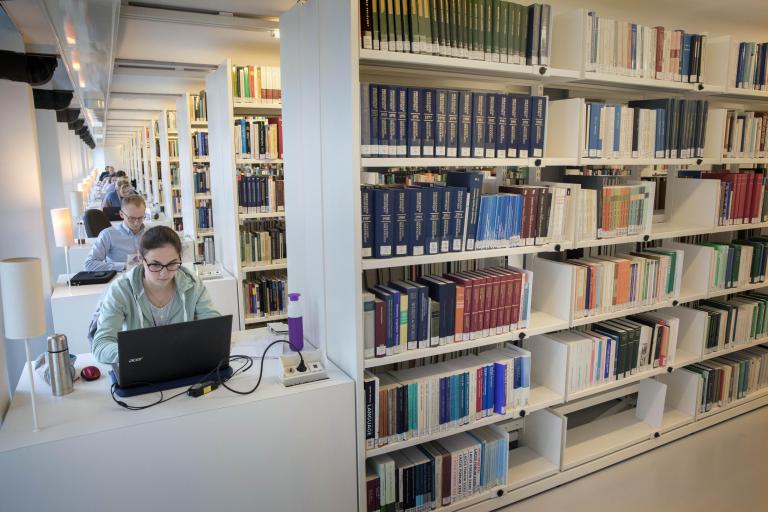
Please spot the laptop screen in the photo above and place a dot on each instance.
(174, 351)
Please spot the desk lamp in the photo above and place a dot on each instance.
(61, 218)
(21, 289)
(76, 206)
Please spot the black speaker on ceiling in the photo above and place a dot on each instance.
(68, 115)
(76, 124)
(28, 68)
(51, 99)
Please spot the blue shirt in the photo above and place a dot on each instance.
(112, 248)
(110, 188)
(111, 199)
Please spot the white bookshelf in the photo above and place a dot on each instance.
(222, 109)
(165, 165)
(323, 67)
(154, 169)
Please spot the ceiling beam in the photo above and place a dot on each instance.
(226, 20)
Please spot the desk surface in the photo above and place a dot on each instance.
(89, 408)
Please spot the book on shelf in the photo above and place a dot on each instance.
(207, 250)
(200, 143)
(204, 210)
(170, 120)
(198, 109)
(438, 473)
(258, 137)
(634, 50)
(201, 179)
(418, 401)
(611, 207)
(742, 198)
(737, 264)
(398, 121)
(262, 241)
(173, 147)
(751, 66)
(260, 189)
(264, 293)
(487, 30)
(731, 377)
(258, 84)
(745, 134)
(433, 310)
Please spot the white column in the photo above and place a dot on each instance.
(98, 159)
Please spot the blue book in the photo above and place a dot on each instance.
(685, 58)
(414, 197)
(446, 235)
(373, 97)
(512, 132)
(402, 121)
(740, 65)
(413, 292)
(392, 118)
(458, 209)
(482, 224)
(424, 312)
(395, 318)
(428, 122)
(502, 125)
(443, 400)
(366, 208)
(452, 128)
(490, 125)
(607, 371)
(441, 121)
(519, 218)
(616, 129)
(384, 149)
(478, 124)
(433, 222)
(523, 126)
(472, 183)
(382, 222)
(500, 388)
(443, 308)
(729, 268)
(400, 222)
(538, 117)
(661, 131)
(414, 122)
(465, 124)
(633, 46)
(595, 144)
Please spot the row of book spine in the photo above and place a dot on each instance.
(170, 120)
(635, 50)
(201, 179)
(265, 293)
(488, 30)
(175, 175)
(746, 134)
(735, 264)
(198, 107)
(173, 148)
(449, 123)
(439, 473)
(435, 310)
(258, 84)
(258, 137)
(416, 402)
(752, 66)
(176, 200)
(742, 197)
(204, 210)
(260, 193)
(662, 128)
(208, 250)
(262, 241)
(200, 143)
(731, 377)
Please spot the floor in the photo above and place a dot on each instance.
(723, 468)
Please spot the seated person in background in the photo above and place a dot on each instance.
(158, 292)
(114, 198)
(116, 243)
(106, 173)
(113, 184)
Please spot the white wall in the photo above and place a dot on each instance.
(113, 155)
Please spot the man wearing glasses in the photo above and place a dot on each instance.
(116, 244)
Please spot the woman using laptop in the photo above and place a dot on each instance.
(158, 292)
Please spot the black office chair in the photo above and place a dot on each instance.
(95, 222)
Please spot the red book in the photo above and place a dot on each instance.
(517, 286)
(757, 196)
(251, 72)
(503, 305)
(380, 340)
(493, 307)
(372, 493)
(478, 303)
(659, 51)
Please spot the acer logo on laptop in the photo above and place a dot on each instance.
(135, 359)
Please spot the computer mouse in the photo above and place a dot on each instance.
(90, 373)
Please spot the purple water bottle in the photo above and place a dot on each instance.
(295, 323)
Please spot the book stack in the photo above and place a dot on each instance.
(262, 241)
(745, 134)
(731, 377)
(439, 473)
(663, 128)
(615, 349)
(448, 123)
(260, 189)
(199, 143)
(204, 209)
(432, 310)
(752, 66)
(173, 148)
(257, 84)
(453, 216)
(201, 179)
(737, 264)
(258, 137)
(170, 119)
(490, 30)
(742, 197)
(265, 293)
(631, 49)
(416, 402)
(606, 284)
(198, 109)
(611, 207)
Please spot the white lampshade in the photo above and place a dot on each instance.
(76, 203)
(21, 285)
(80, 187)
(62, 227)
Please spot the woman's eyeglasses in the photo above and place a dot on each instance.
(158, 267)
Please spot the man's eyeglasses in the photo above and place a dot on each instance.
(158, 267)
(131, 219)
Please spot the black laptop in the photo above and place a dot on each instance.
(112, 212)
(171, 356)
(92, 277)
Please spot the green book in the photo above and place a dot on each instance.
(513, 20)
(445, 36)
(398, 22)
(417, 37)
(488, 30)
(383, 25)
(391, 26)
(433, 21)
(375, 21)
(408, 40)
(453, 27)
(480, 29)
(246, 83)
(503, 24)
(495, 34)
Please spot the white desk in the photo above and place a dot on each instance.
(73, 308)
(278, 449)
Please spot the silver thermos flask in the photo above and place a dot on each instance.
(59, 366)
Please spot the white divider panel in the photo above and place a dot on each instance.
(553, 287)
(718, 51)
(714, 136)
(165, 166)
(650, 402)
(544, 433)
(568, 49)
(692, 202)
(692, 331)
(564, 130)
(697, 268)
(683, 391)
(186, 181)
(153, 166)
(549, 361)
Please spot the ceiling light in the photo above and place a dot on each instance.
(276, 33)
(76, 65)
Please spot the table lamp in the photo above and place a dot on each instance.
(76, 206)
(21, 289)
(61, 218)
